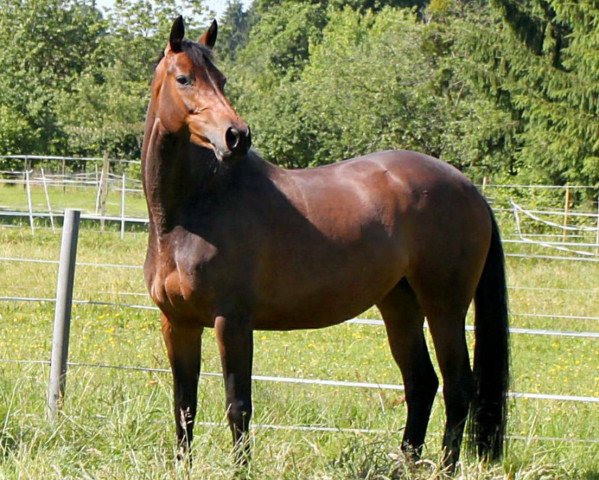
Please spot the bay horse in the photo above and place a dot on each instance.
(239, 244)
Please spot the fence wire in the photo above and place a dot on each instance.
(310, 381)
(359, 321)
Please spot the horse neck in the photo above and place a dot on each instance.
(170, 178)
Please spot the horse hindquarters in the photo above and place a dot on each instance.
(446, 261)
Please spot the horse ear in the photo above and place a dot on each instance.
(177, 34)
(208, 38)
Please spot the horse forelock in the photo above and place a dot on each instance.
(196, 52)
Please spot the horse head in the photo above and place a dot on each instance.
(189, 99)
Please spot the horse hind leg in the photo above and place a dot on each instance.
(447, 330)
(404, 319)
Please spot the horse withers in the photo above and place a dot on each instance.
(238, 244)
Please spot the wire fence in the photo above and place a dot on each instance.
(357, 321)
(307, 428)
(313, 381)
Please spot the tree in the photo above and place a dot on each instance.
(262, 80)
(540, 68)
(368, 87)
(234, 28)
(46, 44)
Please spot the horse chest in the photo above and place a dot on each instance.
(179, 289)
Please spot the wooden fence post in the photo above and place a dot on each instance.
(104, 189)
(62, 312)
(597, 238)
(64, 172)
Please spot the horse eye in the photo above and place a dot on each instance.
(183, 80)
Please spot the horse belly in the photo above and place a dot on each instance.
(330, 293)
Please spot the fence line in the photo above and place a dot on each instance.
(67, 159)
(516, 287)
(556, 212)
(521, 239)
(84, 216)
(549, 187)
(523, 256)
(358, 321)
(563, 245)
(311, 381)
(308, 428)
(516, 330)
(318, 428)
(79, 264)
(124, 265)
(551, 257)
(138, 162)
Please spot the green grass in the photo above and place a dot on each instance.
(117, 423)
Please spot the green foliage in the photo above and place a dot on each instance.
(541, 67)
(45, 43)
(368, 87)
(105, 111)
(234, 30)
(263, 79)
(75, 81)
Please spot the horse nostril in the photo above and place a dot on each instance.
(232, 137)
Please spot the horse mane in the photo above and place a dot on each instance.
(195, 51)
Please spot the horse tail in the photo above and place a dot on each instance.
(488, 410)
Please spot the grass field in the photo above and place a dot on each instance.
(116, 424)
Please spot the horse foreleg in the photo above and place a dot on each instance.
(184, 347)
(235, 343)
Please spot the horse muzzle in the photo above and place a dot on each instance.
(238, 139)
(228, 142)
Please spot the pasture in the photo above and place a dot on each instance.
(116, 422)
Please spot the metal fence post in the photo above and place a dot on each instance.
(62, 314)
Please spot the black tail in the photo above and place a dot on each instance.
(488, 411)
